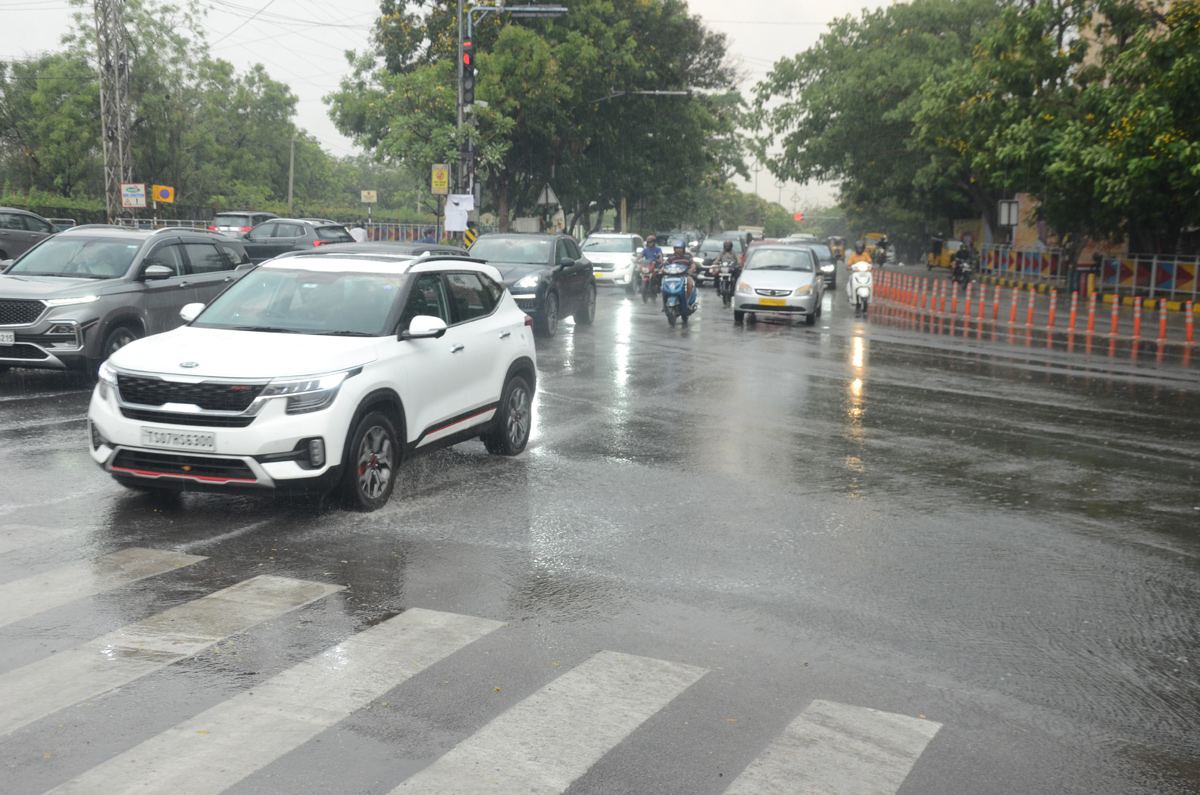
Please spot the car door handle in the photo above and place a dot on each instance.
(505, 335)
(456, 347)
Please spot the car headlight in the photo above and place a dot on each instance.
(826, 268)
(106, 380)
(530, 282)
(83, 299)
(744, 288)
(805, 290)
(308, 394)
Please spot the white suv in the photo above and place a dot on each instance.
(315, 373)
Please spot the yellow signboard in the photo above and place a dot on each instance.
(163, 193)
(469, 236)
(441, 179)
(369, 197)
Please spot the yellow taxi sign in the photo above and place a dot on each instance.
(163, 193)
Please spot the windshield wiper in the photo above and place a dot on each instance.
(344, 333)
(266, 328)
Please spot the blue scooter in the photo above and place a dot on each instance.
(674, 284)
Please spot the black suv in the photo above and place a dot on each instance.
(547, 274)
(76, 297)
(281, 235)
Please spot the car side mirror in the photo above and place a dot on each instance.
(245, 266)
(566, 262)
(5, 265)
(424, 327)
(190, 312)
(157, 272)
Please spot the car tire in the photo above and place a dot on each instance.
(371, 460)
(810, 319)
(547, 320)
(118, 338)
(738, 317)
(514, 419)
(587, 313)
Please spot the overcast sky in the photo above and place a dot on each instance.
(301, 43)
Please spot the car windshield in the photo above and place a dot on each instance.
(334, 234)
(777, 259)
(307, 302)
(609, 245)
(511, 249)
(231, 220)
(79, 258)
(822, 250)
(712, 246)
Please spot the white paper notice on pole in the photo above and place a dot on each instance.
(457, 207)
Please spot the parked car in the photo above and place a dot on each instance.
(238, 223)
(319, 373)
(547, 274)
(614, 257)
(20, 230)
(279, 235)
(74, 299)
(779, 279)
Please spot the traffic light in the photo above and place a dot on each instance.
(468, 73)
(798, 216)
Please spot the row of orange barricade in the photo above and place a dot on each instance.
(940, 297)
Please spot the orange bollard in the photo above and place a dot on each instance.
(1115, 308)
(1012, 315)
(942, 307)
(982, 296)
(924, 287)
(1162, 320)
(1137, 318)
(996, 304)
(1189, 320)
(1091, 329)
(967, 304)
(1074, 307)
(953, 303)
(1029, 313)
(1053, 306)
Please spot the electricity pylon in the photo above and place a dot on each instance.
(115, 106)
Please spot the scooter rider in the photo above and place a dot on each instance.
(860, 254)
(681, 256)
(652, 253)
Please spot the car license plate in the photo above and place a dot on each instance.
(771, 302)
(599, 275)
(8, 338)
(171, 439)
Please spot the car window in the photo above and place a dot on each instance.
(774, 259)
(206, 258)
(11, 221)
(236, 256)
(289, 230)
(516, 250)
(35, 224)
(573, 249)
(334, 234)
(492, 287)
(468, 297)
(79, 258)
(428, 297)
(561, 251)
(167, 255)
(261, 232)
(609, 245)
(238, 221)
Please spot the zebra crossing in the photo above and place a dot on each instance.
(539, 744)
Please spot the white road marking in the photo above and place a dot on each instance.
(30, 693)
(19, 536)
(552, 737)
(836, 749)
(223, 745)
(23, 598)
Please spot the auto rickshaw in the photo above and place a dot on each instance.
(837, 245)
(941, 253)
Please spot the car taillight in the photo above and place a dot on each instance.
(529, 321)
(321, 242)
(243, 229)
(213, 229)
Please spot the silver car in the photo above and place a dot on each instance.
(613, 257)
(779, 279)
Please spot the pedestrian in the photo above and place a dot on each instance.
(358, 233)
(427, 236)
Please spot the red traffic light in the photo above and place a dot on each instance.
(468, 55)
(798, 216)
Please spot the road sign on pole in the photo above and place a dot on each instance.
(164, 194)
(133, 194)
(440, 183)
(369, 197)
(547, 196)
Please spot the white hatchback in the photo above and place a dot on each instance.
(319, 373)
(613, 257)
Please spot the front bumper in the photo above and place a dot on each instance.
(614, 276)
(789, 305)
(268, 454)
(48, 344)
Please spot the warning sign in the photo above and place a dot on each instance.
(441, 179)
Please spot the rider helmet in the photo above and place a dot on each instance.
(651, 240)
(859, 247)
(679, 243)
(729, 245)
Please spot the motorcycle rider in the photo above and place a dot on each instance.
(860, 254)
(727, 255)
(652, 253)
(961, 258)
(681, 256)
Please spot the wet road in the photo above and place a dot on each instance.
(858, 557)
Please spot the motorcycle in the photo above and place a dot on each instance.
(961, 273)
(674, 285)
(644, 278)
(860, 285)
(723, 276)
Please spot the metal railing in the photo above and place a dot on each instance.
(1170, 276)
(1044, 266)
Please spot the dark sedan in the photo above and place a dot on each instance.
(20, 230)
(279, 235)
(547, 274)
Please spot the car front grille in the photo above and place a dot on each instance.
(20, 313)
(183, 465)
(189, 420)
(774, 293)
(22, 351)
(210, 396)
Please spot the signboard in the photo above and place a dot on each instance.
(369, 197)
(133, 194)
(1009, 213)
(163, 193)
(547, 196)
(441, 179)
